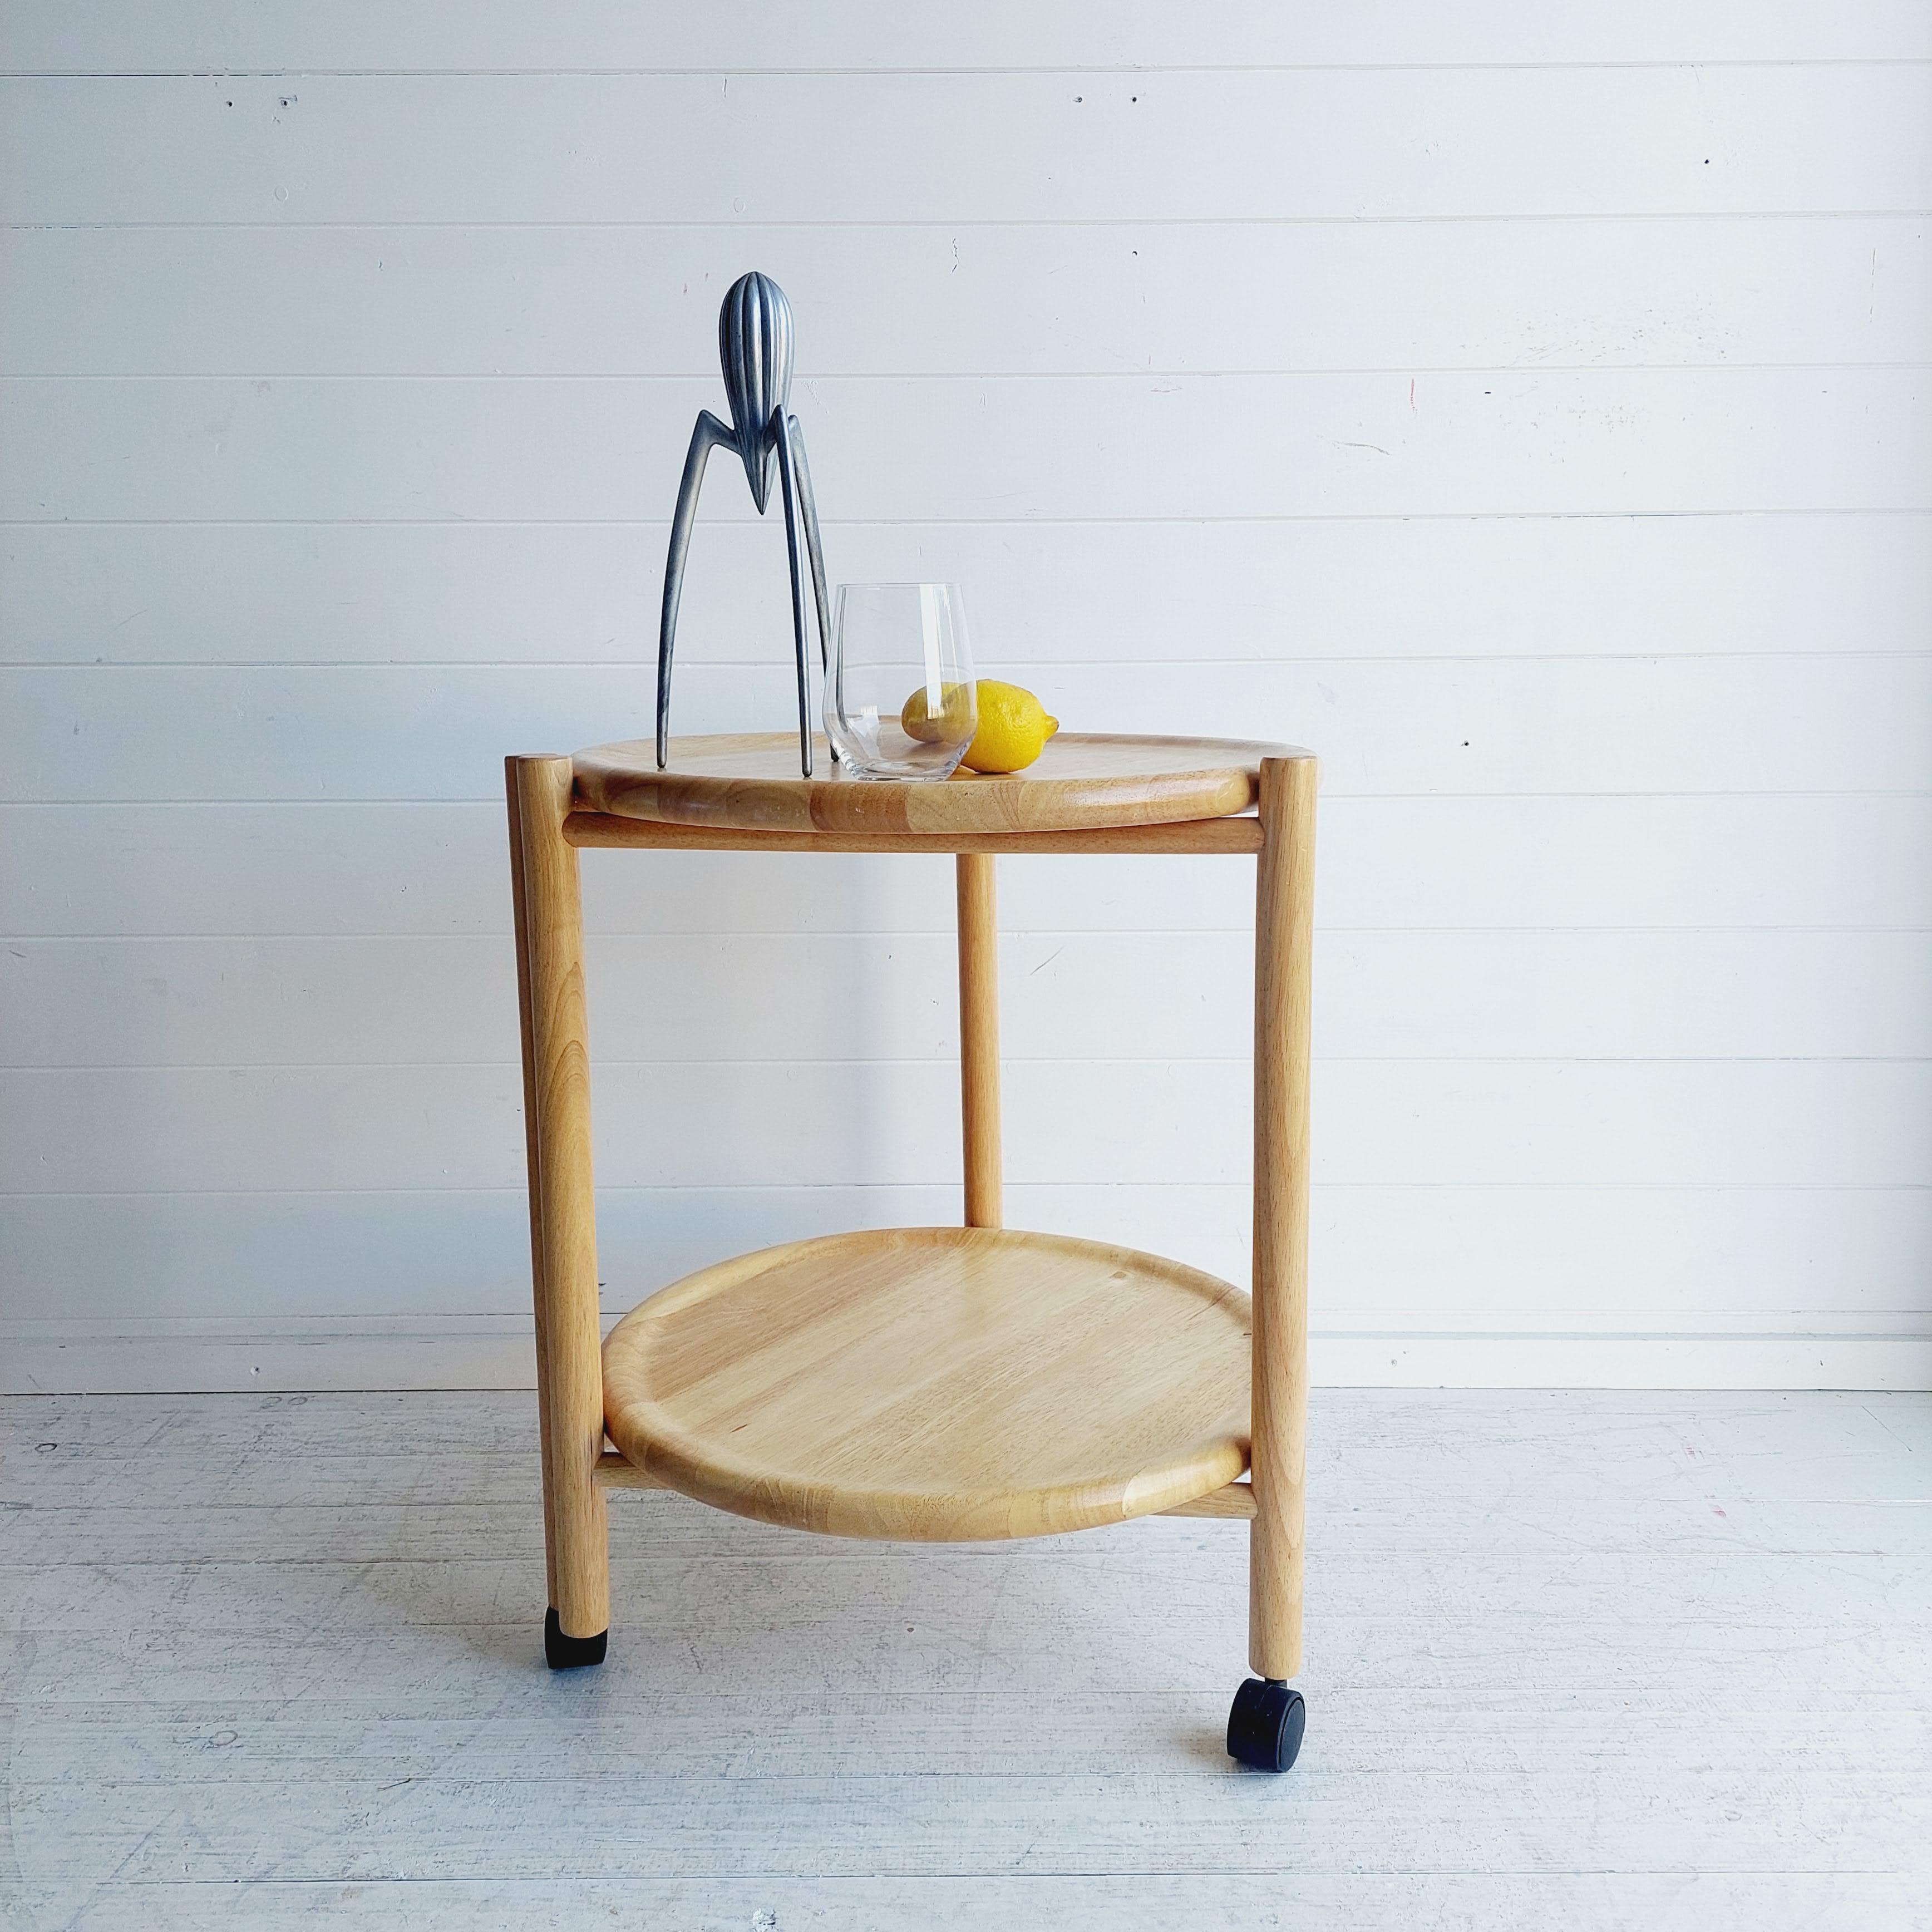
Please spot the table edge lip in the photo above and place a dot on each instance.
(696, 801)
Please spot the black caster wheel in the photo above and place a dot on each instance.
(1265, 1726)
(570, 1653)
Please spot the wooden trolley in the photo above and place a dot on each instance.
(940, 1384)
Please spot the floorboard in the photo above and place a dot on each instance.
(1598, 1661)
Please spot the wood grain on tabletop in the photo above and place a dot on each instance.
(940, 1384)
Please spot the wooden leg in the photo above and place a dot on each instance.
(1284, 935)
(563, 1232)
(979, 1037)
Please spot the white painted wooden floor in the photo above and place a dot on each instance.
(1575, 1660)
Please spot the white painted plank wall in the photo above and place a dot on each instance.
(1527, 407)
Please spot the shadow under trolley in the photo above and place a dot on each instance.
(940, 1384)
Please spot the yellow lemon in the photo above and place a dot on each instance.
(917, 721)
(1013, 728)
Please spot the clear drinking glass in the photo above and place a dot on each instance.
(899, 702)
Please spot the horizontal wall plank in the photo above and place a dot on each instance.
(748, 36)
(1065, 994)
(1523, 724)
(1399, 1260)
(981, 300)
(268, 870)
(1059, 593)
(939, 449)
(1830, 1124)
(1260, 144)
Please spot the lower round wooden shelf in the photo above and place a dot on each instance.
(946, 1384)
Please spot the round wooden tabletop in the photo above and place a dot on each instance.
(1082, 780)
(946, 1384)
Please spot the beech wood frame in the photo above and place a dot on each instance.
(547, 830)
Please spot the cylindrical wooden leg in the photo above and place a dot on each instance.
(1284, 937)
(979, 1037)
(563, 1232)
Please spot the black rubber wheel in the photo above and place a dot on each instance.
(1265, 1726)
(570, 1653)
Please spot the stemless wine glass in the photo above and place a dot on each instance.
(899, 702)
